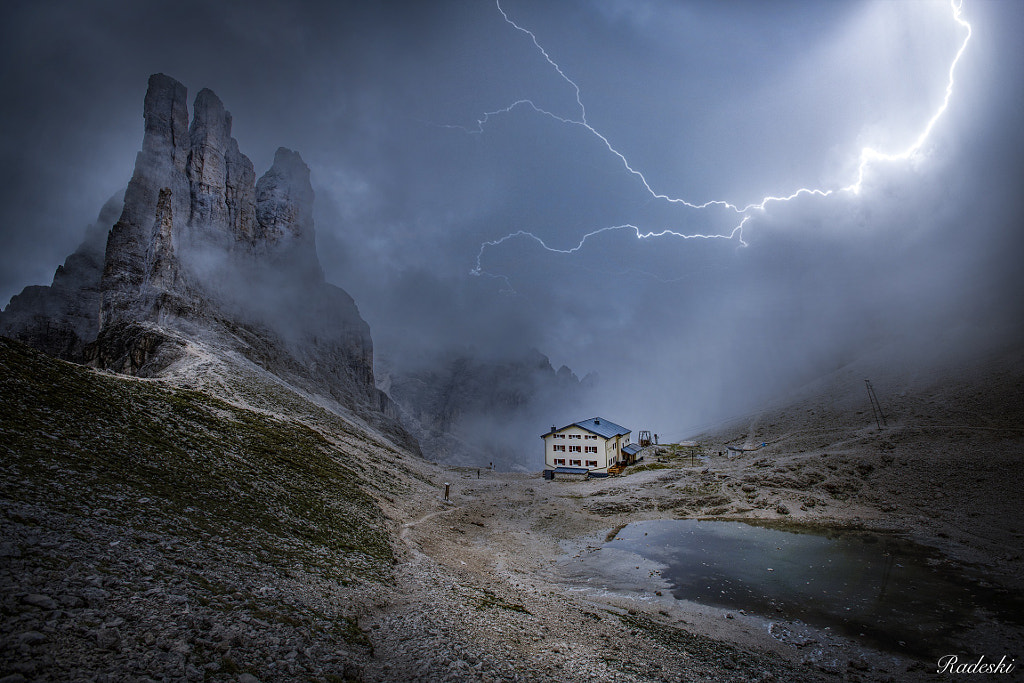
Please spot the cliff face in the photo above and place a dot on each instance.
(195, 217)
(202, 251)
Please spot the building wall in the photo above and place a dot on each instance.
(614, 447)
(571, 437)
(610, 451)
(620, 443)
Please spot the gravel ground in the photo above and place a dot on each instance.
(480, 587)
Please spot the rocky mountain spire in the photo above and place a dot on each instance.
(193, 203)
(203, 251)
(159, 166)
(222, 178)
(284, 211)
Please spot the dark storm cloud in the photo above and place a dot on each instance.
(710, 100)
(74, 75)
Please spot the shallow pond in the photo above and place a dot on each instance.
(872, 587)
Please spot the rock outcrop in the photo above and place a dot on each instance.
(203, 251)
(60, 319)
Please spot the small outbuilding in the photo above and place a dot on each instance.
(631, 451)
(567, 473)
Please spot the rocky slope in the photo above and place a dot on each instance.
(152, 530)
(245, 531)
(204, 254)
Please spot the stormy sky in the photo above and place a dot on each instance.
(422, 165)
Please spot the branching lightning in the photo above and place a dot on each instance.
(868, 156)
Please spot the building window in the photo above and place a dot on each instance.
(590, 436)
(559, 461)
(575, 449)
(591, 463)
(577, 463)
(559, 436)
(556, 447)
(575, 436)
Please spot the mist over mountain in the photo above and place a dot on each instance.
(205, 259)
(245, 425)
(202, 258)
(710, 102)
(475, 409)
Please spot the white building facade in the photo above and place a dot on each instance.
(594, 445)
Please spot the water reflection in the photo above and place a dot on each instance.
(869, 586)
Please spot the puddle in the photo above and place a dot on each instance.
(875, 588)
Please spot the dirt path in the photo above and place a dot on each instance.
(403, 533)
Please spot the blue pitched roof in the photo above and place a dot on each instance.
(602, 427)
(596, 425)
(631, 449)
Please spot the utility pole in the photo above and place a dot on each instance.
(876, 407)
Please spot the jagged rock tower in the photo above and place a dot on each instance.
(202, 251)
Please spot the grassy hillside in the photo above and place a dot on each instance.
(154, 457)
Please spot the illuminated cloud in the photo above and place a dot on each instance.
(868, 157)
(709, 101)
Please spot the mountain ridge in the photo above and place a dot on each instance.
(202, 253)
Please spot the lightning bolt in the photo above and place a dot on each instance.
(868, 156)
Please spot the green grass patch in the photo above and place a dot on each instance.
(186, 463)
(490, 600)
